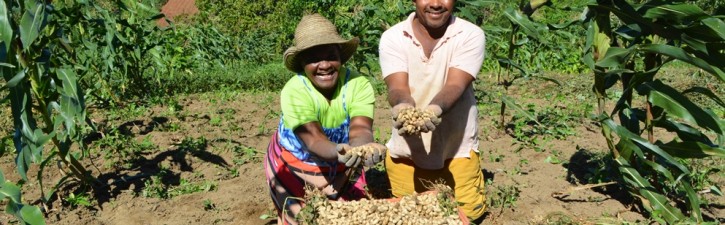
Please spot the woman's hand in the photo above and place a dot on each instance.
(344, 155)
(376, 154)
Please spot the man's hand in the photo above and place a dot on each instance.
(344, 155)
(432, 117)
(375, 155)
(397, 124)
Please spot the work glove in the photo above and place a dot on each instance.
(432, 118)
(397, 124)
(376, 154)
(345, 156)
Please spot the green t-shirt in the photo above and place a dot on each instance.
(301, 103)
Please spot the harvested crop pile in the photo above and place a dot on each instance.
(413, 120)
(427, 208)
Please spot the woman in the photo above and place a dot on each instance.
(326, 110)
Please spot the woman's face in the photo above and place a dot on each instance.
(321, 65)
(434, 14)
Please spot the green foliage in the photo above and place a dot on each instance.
(243, 155)
(14, 206)
(631, 50)
(157, 187)
(47, 104)
(502, 196)
(122, 151)
(114, 52)
(78, 200)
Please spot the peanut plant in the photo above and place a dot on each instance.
(628, 43)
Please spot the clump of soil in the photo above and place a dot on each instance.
(433, 207)
(413, 120)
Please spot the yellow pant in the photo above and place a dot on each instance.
(463, 175)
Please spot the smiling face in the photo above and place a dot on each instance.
(434, 14)
(321, 65)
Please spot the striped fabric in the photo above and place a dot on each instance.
(287, 177)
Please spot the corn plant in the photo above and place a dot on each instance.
(628, 43)
(116, 52)
(47, 105)
(523, 31)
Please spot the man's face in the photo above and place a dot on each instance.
(434, 14)
(321, 64)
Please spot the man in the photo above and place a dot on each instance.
(429, 61)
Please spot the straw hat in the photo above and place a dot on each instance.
(314, 30)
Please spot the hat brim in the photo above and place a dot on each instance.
(291, 55)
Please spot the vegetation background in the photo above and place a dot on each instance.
(68, 62)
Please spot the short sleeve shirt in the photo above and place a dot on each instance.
(461, 47)
(301, 103)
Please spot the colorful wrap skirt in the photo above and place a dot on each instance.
(287, 177)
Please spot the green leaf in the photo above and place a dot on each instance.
(656, 201)
(677, 12)
(547, 79)
(9, 189)
(33, 21)
(529, 27)
(684, 132)
(552, 160)
(680, 54)
(642, 143)
(512, 104)
(32, 215)
(16, 79)
(706, 92)
(678, 105)
(693, 199)
(504, 62)
(6, 31)
(716, 25)
(691, 149)
(716, 190)
(615, 57)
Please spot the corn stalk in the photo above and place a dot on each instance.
(47, 105)
(631, 50)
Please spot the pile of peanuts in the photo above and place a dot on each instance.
(412, 209)
(413, 120)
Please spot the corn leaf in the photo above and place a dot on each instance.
(32, 215)
(644, 144)
(691, 149)
(684, 132)
(516, 107)
(33, 20)
(6, 31)
(716, 25)
(680, 54)
(676, 13)
(615, 57)
(529, 27)
(656, 201)
(678, 105)
(11, 191)
(693, 200)
(706, 92)
(16, 79)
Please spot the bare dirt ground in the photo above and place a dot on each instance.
(203, 153)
